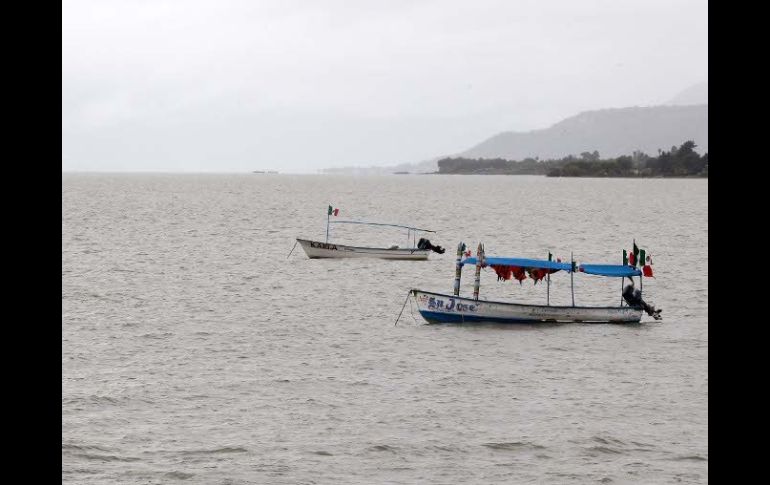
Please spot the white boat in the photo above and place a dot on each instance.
(318, 249)
(443, 308)
(417, 250)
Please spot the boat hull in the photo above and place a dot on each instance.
(317, 249)
(441, 308)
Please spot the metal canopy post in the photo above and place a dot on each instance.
(572, 276)
(458, 267)
(548, 282)
(622, 280)
(479, 262)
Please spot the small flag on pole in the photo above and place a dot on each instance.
(625, 258)
(333, 211)
(647, 268)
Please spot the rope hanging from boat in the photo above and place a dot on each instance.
(402, 308)
(292, 249)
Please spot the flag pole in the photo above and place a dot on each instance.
(328, 214)
(637, 253)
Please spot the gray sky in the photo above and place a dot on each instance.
(294, 86)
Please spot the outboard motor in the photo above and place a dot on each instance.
(634, 299)
(425, 244)
(632, 296)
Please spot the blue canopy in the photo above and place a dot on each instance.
(522, 262)
(612, 270)
(616, 270)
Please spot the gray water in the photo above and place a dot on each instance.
(194, 351)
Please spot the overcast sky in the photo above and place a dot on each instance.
(294, 86)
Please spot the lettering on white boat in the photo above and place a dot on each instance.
(540, 310)
(321, 245)
(451, 306)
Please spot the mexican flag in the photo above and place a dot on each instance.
(625, 258)
(332, 211)
(647, 268)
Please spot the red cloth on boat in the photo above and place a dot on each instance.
(508, 272)
(537, 274)
(503, 272)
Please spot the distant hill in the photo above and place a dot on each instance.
(696, 94)
(613, 132)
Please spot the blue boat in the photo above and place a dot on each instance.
(442, 308)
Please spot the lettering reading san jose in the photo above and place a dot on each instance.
(438, 304)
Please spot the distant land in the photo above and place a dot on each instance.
(612, 132)
(426, 166)
(695, 94)
(681, 161)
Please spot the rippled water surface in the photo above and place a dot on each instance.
(194, 351)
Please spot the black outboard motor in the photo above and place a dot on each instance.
(634, 299)
(425, 244)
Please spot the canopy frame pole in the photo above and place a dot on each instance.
(622, 280)
(479, 263)
(572, 276)
(458, 267)
(382, 224)
(636, 263)
(328, 215)
(548, 283)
